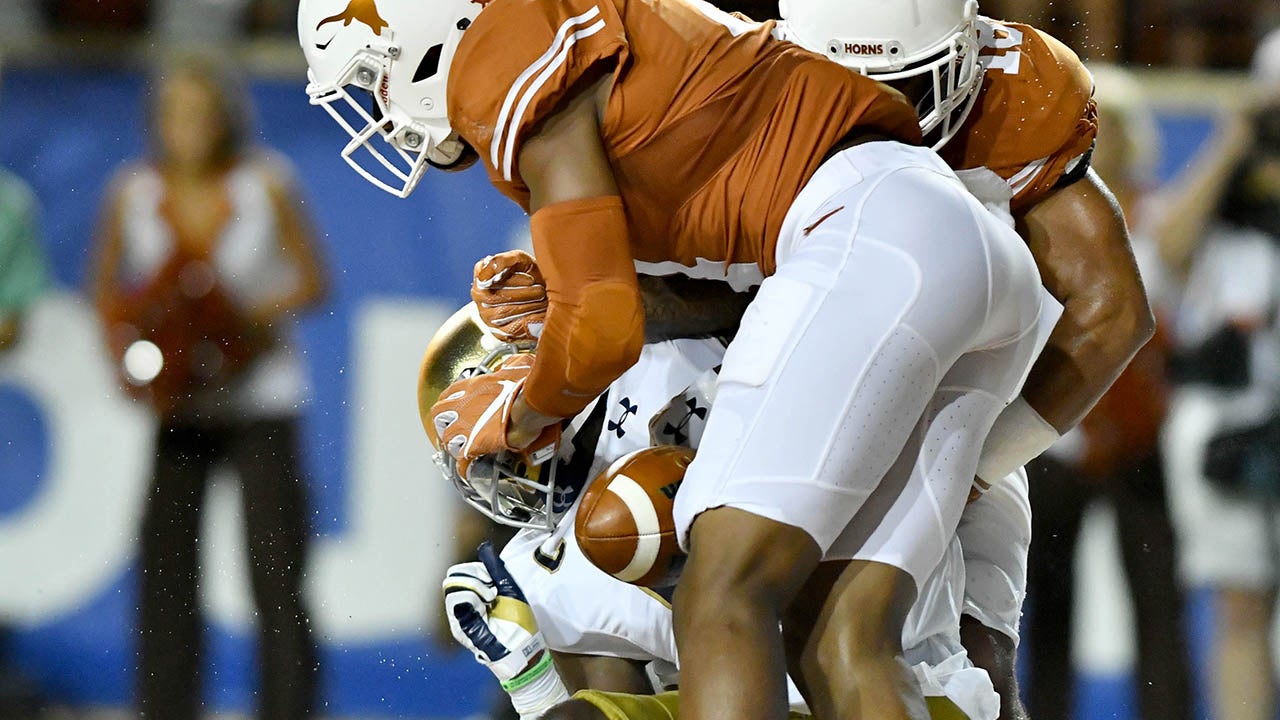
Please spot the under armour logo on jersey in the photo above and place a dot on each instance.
(628, 409)
(679, 430)
(562, 498)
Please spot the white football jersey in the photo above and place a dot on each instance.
(663, 399)
(579, 608)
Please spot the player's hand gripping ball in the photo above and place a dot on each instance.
(470, 419)
(489, 616)
(511, 296)
(625, 523)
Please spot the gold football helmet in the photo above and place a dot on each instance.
(507, 487)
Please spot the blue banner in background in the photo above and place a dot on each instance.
(398, 268)
(67, 132)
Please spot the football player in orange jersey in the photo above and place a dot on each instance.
(895, 319)
(979, 109)
(1011, 110)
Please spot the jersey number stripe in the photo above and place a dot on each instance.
(550, 563)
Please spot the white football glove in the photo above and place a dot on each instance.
(488, 615)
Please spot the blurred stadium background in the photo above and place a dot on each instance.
(74, 451)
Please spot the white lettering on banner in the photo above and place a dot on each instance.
(77, 535)
(378, 578)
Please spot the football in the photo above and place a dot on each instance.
(179, 333)
(625, 524)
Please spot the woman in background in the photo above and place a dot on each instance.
(203, 259)
(1114, 456)
(1227, 509)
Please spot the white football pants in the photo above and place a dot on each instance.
(856, 397)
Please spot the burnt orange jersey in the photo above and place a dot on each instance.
(712, 125)
(1034, 117)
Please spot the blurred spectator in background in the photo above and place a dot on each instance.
(1112, 456)
(203, 259)
(115, 15)
(200, 20)
(1223, 440)
(23, 275)
(206, 21)
(1093, 28)
(1217, 34)
(20, 19)
(1190, 33)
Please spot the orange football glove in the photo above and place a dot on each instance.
(470, 419)
(512, 296)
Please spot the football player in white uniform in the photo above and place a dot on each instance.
(608, 636)
(980, 86)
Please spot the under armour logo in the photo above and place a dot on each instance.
(678, 431)
(628, 409)
(562, 498)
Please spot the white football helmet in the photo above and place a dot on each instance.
(899, 40)
(397, 52)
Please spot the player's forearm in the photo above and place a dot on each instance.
(583, 348)
(1081, 244)
(676, 306)
(595, 320)
(1092, 344)
(599, 672)
(537, 690)
(1098, 334)
(1089, 348)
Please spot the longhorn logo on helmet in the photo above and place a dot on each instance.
(364, 11)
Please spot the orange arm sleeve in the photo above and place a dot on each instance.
(595, 320)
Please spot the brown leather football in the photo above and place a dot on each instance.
(625, 524)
